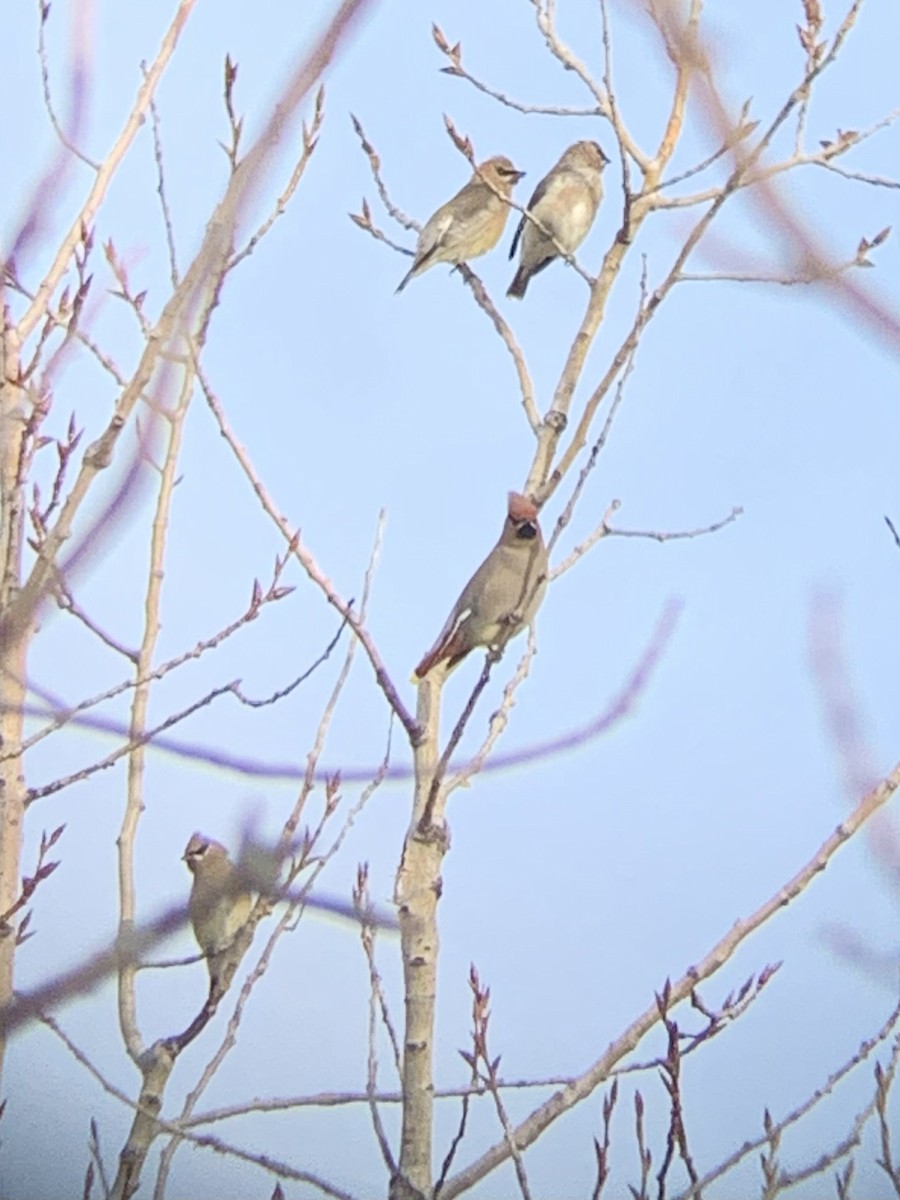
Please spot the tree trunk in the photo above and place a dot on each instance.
(14, 638)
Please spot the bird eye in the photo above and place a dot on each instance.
(527, 530)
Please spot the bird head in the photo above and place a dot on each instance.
(587, 154)
(202, 850)
(500, 172)
(522, 516)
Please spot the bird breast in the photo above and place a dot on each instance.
(511, 588)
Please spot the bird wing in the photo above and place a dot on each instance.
(458, 616)
(516, 236)
(473, 199)
(464, 610)
(502, 592)
(461, 215)
(540, 191)
(433, 235)
(537, 196)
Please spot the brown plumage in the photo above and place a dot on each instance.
(219, 906)
(565, 202)
(502, 596)
(471, 223)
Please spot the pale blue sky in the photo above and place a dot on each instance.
(578, 884)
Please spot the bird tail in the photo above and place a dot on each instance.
(431, 659)
(451, 647)
(519, 283)
(405, 280)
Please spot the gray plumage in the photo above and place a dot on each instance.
(502, 596)
(219, 906)
(565, 202)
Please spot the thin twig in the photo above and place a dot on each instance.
(161, 187)
(453, 741)
(377, 1003)
(310, 566)
(371, 154)
(499, 719)
(79, 75)
(290, 916)
(456, 69)
(67, 602)
(63, 713)
(526, 385)
(310, 141)
(283, 1170)
(535, 1124)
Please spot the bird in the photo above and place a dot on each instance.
(471, 223)
(219, 906)
(565, 202)
(502, 596)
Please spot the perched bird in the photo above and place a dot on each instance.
(471, 223)
(502, 596)
(565, 202)
(219, 906)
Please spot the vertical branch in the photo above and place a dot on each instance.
(416, 893)
(86, 217)
(681, 44)
(683, 48)
(156, 1074)
(155, 1066)
(362, 903)
(138, 724)
(557, 418)
(294, 909)
(13, 654)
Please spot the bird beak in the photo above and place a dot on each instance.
(517, 175)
